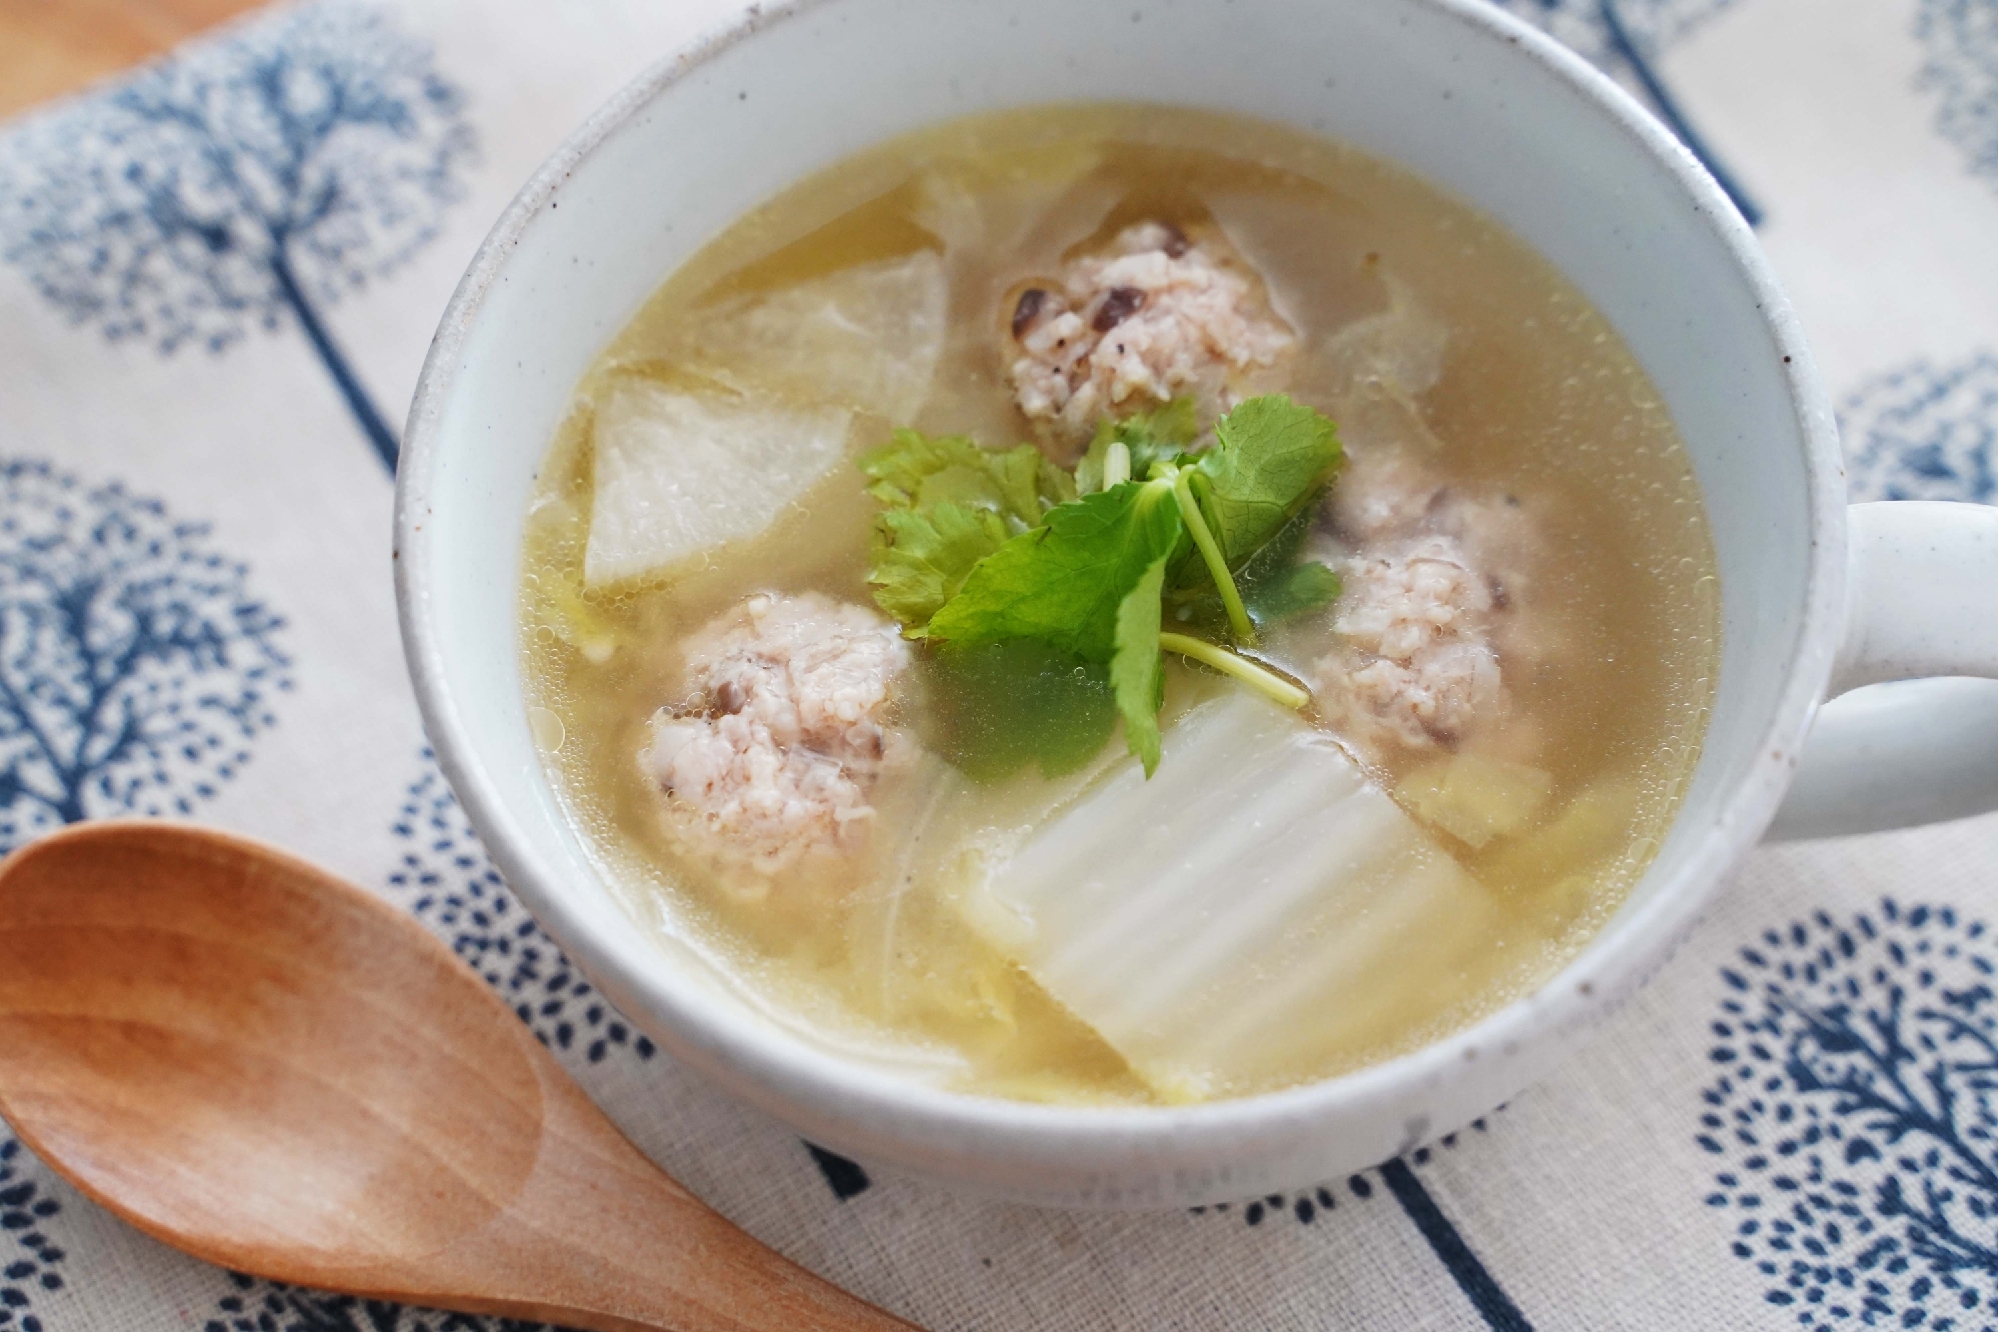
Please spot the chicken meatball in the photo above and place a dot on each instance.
(1435, 580)
(775, 756)
(1156, 316)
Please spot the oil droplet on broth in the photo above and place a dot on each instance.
(547, 730)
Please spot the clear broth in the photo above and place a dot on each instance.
(1537, 395)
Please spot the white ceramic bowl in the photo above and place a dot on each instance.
(1473, 101)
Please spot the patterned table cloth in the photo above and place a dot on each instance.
(217, 281)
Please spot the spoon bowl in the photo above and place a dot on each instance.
(271, 1069)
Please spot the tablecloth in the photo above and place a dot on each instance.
(217, 280)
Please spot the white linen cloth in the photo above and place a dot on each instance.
(1792, 1126)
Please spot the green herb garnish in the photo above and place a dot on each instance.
(994, 708)
(1150, 437)
(949, 504)
(1271, 458)
(917, 471)
(1063, 581)
(978, 548)
(1274, 586)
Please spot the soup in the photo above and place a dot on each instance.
(1112, 604)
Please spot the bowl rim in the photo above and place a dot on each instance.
(745, 1056)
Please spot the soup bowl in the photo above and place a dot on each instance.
(1815, 600)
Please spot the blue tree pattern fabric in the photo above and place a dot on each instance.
(1960, 63)
(1854, 1115)
(1925, 433)
(271, 1306)
(252, 180)
(135, 663)
(1400, 1180)
(34, 1268)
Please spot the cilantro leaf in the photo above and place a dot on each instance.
(917, 471)
(1276, 587)
(996, 707)
(1135, 671)
(950, 503)
(919, 558)
(1160, 435)
(1273, 586)
(1064, 581)
(1047, 611)
(1300, 588)
(1270, 459)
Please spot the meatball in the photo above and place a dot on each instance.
(1388, 495)
(1416, 663)
(1434, 583)
(1156, 316)
(775, 757)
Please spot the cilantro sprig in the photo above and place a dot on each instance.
(947, 505)
(1150, 537)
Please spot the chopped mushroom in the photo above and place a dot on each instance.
(1157, 315)
(775, 758)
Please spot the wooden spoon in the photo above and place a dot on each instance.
(273, 1070)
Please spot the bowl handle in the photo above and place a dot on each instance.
(1922, 602)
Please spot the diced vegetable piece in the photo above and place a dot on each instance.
(1474, 798)
(1594, 826)
(1402, 346)
(993, 206)
(865, 338)
(1255, 907)
(677, 473)
(1373, 372)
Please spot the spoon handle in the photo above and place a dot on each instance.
(600, 1238)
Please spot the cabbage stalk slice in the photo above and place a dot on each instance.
(1258, 908)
